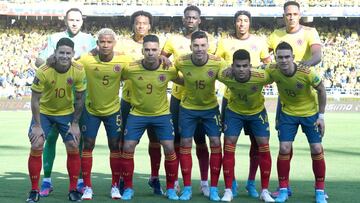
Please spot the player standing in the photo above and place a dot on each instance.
(103, 75)
(52, 104)
(199, 102)
(300, 105)
(148, 87)
(83, 43)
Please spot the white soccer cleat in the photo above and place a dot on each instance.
(177, 186)
(204, 187)
(266, 196)
(115, 193)
(88, 193)
(228, 196)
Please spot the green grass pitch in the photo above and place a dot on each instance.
(341, 145)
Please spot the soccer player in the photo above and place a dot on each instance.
(259, 53)
(141, 25)
(178, 45)
(246, 107)
(199, 102)
(103, 75)
(83, 43)
(52, 105)
(148, 87)
(304, 40)
(300, 105)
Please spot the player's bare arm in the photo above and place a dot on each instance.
(315, 56)
(79, 104)
(37, 132)
(321, 92)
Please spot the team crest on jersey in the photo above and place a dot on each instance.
(211, 73)
(117, 68)
(254, 88)
(69, 81)
(299, 85)
(162, 77)
(36, 81)
(299, 42)
(140, 78)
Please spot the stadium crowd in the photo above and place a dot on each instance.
(225, 3)
(22, 41)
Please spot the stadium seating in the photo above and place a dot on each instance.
(22, 41)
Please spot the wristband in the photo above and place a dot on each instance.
(321, 116)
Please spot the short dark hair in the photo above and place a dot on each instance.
(241, 54)
(74, 10)
(192, 8)
(140, 13)
(198, 35)
(242, 12)
(283, 46)
(65, 42)
(151, 38)
(291, 3)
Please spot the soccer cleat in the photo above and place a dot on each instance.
(320, 196)
(204, 188)
(283, 195)
(128, 194)
(46, 189)
(186, 194)
(74, 196)
(171, 194)
(154, 183)
(276, 193)
(34, 196)
(121, 186)
(115, 193)
(234, 187)
(266, 196)
(87, 194)
(214, 194)
(177, 187)
(228, 196)
(80, 186)
(251, 189)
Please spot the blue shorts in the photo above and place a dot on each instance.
(136, 126)
(288, 127)
(62, 124)
(91, 124)
(199, 136)
(189, 119)
(247, 129)
(257, 123)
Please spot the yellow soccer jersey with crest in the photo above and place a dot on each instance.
(133, 49)
(199, 82)
(300, 41)
(148, 87)
(179, 45)
(103, 82)
(246, 98)
(296, 92)
(57, 88)
(255, 45)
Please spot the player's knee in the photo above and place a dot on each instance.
(71, 146)
(129, 146)
(114, 146)
(186, 142)
(215, 142)
(38, 145)
(89, 143)
(316, 149)
(285, 149)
